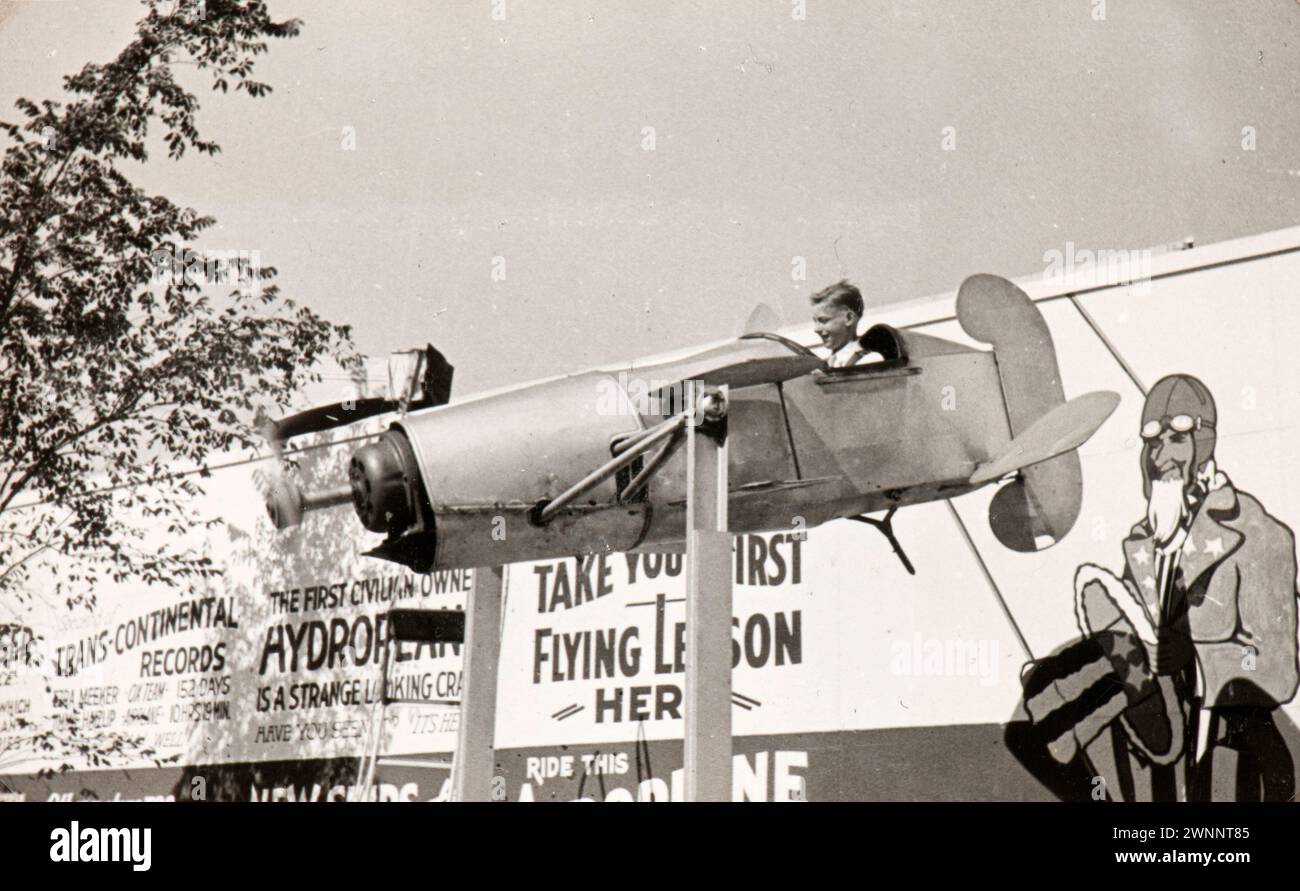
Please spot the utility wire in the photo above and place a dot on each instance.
(208, 468)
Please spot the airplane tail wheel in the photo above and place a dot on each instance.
(1014, 519)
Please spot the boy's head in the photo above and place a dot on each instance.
(836, 312)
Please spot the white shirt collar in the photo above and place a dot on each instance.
(842, 356)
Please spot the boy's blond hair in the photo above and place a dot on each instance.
(840, 294)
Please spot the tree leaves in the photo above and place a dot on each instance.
(117, 365)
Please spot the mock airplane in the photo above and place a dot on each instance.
(582, 464)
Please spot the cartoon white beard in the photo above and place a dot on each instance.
(1166, 508)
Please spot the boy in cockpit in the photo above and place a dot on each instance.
(837, 310)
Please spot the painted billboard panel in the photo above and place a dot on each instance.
(851, 677)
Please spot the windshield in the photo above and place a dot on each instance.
(789, 344)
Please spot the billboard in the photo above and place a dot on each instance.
(852, 678)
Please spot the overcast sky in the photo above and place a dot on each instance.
(773, 138)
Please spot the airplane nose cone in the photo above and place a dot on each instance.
(382, 487)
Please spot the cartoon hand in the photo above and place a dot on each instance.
(1098, 611)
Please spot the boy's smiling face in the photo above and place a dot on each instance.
(835, 325)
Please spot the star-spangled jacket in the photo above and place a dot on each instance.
(1238, 567)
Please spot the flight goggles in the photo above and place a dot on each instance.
(1178, 423)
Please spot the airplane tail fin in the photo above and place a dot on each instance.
(1040, 506)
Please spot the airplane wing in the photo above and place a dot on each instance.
(756, 358)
